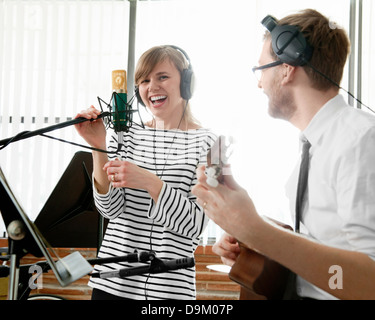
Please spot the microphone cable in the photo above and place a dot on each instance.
(119, 145)
(103, 114)
(13, 139)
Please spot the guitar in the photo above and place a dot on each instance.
(260, 277)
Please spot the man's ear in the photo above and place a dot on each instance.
(288, 72)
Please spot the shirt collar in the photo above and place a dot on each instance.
(323, 118)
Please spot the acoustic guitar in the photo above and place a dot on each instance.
(260, 277)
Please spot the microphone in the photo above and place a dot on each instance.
(156, 266)
(122, 113)
(142, 256)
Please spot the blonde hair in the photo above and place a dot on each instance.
(152, 57)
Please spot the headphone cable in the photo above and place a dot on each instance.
(160, 176)
(336, 84)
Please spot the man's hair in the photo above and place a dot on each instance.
(331, 46)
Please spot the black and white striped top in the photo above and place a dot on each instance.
(171, 227)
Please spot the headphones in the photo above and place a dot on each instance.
(187, 79)
(288, 42)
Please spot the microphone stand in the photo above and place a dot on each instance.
(156, 266)
(29, 134)
(19, 274)
(122, 122)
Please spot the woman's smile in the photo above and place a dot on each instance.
(158, 101)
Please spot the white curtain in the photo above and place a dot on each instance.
(57, 56)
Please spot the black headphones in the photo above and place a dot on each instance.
(187, 79)
(288, 42)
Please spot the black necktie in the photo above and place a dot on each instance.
(302, 181)
(291, 288)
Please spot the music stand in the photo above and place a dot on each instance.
(69, 218)
(24, 237)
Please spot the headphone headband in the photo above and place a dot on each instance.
(183, 53)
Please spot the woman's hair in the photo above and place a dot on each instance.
(152, 57)
(331, 46)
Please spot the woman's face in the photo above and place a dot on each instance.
(160, 92)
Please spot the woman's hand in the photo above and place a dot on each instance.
(93, 131)
(125, 174)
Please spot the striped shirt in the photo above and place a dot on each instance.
(171, 227)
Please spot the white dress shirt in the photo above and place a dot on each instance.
(339, 208)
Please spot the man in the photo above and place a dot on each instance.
(338, 217)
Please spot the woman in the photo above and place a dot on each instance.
(146, 191)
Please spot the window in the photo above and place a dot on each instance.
(56, 57)
(368, 53)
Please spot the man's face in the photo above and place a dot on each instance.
(281, 103)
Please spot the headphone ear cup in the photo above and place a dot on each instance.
(187, 84)
(290, 45)
(138, 96)
(187, 77)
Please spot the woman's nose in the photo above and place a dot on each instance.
(153, 86)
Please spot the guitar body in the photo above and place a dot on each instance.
(260, 278)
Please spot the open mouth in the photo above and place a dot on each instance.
(157, 100)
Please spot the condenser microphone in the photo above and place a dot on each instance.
(142, 256)
(120, 113)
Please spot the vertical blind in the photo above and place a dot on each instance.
(57, 56)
